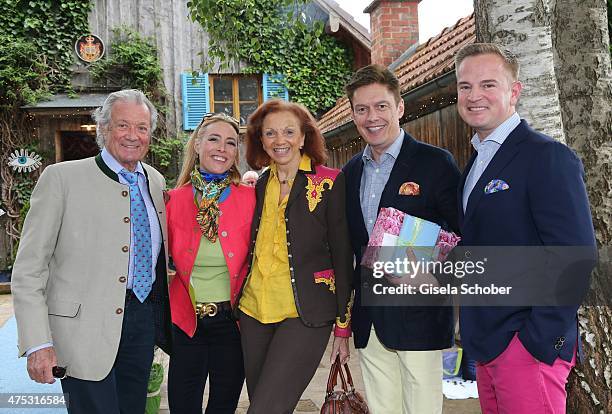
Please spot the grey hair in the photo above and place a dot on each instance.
(102, 115)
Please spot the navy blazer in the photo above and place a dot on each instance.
(546, 204)
(435, 171)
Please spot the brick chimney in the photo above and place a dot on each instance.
(394, 27)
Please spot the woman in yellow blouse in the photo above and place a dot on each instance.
(299, 282)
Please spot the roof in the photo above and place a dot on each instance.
(340, 17)
(61, 101)
(430, 61)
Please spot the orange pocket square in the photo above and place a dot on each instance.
(410, 189)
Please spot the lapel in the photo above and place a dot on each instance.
(404, 164)
(260, 193)
(353, 201)
(461, 186)
(504, 155)
(105, 169)
(299, 184)
(156, 196)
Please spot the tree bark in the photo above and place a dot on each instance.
(523, 26)
(563, 47)
(582, 62)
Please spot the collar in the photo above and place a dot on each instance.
(305, 166)
(393, 150)
(114, 165)
(500, 133)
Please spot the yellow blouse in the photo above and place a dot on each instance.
(268, 295)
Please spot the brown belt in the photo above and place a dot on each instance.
(211, 308)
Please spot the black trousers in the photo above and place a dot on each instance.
(280, 359)
(124, 390)
(214, 352)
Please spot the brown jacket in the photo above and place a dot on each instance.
(320, 256)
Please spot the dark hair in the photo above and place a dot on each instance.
(373, 74)
(475, 49)
(314, 143)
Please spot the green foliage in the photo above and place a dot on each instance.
(36, 53)
(51, 28)
(132, 63)
(22, 73)
(275, 36)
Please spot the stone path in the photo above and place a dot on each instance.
(313, 395)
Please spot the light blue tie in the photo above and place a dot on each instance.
(141, 277)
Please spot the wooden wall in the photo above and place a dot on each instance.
(180, 42)
(443, 128)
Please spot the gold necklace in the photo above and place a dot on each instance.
(287, 181)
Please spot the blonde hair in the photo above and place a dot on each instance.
(190, 156)
(511, 62)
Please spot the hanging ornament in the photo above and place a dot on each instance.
(21, 160)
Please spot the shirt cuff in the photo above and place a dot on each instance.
(38, 348)
(342, 332)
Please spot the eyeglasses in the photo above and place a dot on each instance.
(285, 132)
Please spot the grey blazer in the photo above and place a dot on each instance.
(70, 274)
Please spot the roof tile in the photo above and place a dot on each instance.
(431, 60)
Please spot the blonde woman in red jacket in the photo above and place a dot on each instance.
(209, 219)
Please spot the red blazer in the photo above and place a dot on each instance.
(184, 241)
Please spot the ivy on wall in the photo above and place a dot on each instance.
(36, 52)
(51, 27)
(133, 63)
(275, 36)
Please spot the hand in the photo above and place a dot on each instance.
(417, 277)
(40, 364)
(340, 347)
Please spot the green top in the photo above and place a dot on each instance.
(210, 277)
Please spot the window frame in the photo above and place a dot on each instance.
(235, 92)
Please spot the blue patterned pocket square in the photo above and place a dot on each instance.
(496, 185)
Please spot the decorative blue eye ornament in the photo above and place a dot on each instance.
(21, 160)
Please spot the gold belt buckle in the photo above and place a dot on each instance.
(206, 309)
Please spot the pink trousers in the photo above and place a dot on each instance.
(517, 383)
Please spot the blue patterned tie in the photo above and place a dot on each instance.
(141, 277)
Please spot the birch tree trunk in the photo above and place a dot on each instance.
(563, 46)
(524, 27)
(582, 63)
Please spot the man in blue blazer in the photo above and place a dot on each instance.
(520, 188)
(399, 347)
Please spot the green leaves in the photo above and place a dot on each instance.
(276, 36)
(51, 27)
(132, 64)
(22, 73)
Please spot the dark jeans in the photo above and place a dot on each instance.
(215, 352)
(280, 360)
(124, 390)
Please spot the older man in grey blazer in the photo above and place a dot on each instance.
(89, 282)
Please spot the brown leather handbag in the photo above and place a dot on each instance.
(346, 400)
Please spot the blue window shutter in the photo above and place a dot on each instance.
(195, 99)
(273, 87)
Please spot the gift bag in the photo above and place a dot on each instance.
(154, 387)
(451, 363)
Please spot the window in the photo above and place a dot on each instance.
(236, 95)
